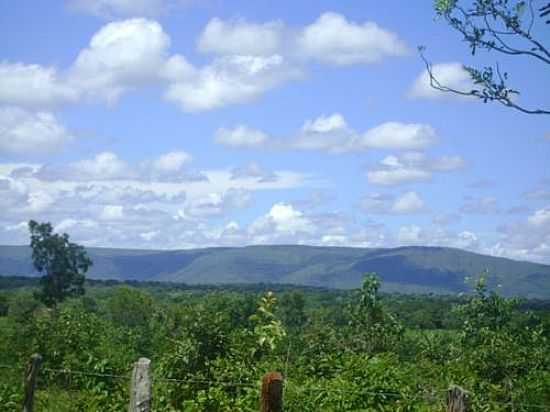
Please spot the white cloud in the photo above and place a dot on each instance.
(467, 240)
(116, 8)
(128, 54)
(540, 219)
(104, 166)
(379, 203)
(13, 194)
(217, 204)
(325, 124)
(24, 132)
(171, 162)
(112, 212)
(40, 200)
(409, 202)
(239, 37)
(335, 40)
(282, 219)
(450, 75)
(148, 236)
(241, 136)
(409, 234)
(398, 175)
(395, 135)
(253, 170)
(121, 55)
(411, 167)
(231, 80)
(33, 86)
(527, 239)
(331, 133)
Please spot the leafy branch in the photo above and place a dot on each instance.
(503, 26)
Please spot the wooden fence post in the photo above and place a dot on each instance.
(140, 387)
(457, 399)
(272, 392)
(30, 381)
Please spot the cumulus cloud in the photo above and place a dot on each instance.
(107, 166)
(241, 136)
(395, 135)
(171, 162)
(112, 212)
(239, 37)
(411, 167)
(452, 75)
(121, 55)
(282, 219)
(335, 40)
(217, 204)
(231, 80)
(527, 239)
(331, 133)
(104, 166)
(253, 170)
(128, 54)
(34, 86)
(379, 203)
(24, 132)
(409, 202)
(540, 219)
(249, 60)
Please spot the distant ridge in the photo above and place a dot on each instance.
(412, 269)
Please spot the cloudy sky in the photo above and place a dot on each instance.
(180, 123)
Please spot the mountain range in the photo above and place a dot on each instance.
(413, 269)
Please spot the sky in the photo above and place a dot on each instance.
(168, 124)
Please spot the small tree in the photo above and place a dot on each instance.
(62, 263)
(378, 329)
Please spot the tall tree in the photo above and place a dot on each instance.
(62, 263)
(507, 27)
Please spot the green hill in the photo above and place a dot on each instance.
(405, 269)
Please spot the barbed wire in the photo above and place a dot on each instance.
(427, 394)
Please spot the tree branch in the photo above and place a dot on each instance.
(491, 91)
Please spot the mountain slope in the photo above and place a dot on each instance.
(405, 269)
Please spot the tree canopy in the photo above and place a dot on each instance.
(62, 263)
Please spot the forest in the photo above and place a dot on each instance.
(357, 350)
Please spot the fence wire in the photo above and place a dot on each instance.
(429, 395)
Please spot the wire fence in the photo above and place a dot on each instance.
(427, 395)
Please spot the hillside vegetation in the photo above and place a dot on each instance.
(405, 269)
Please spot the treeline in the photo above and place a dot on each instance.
(14, 282)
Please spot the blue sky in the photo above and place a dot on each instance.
(176, 124)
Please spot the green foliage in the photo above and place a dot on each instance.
(502, 26)
(358, 350)
(376, 329)
(292, 309)
(63, 263)
(268, 330)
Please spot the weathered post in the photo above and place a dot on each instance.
(140, 387)
(272, 392)
(457, 399)
(30, 381)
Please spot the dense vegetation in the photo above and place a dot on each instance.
(339, 350)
